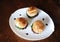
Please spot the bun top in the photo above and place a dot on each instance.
(38, 26)
(32, 11)
(21, 22)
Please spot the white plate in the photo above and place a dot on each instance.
(49, 29)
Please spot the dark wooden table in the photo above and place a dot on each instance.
(7, 7)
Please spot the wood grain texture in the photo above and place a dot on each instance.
(7, 7)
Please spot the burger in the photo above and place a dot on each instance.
(32, 12)
(21, 23)
(37, 27)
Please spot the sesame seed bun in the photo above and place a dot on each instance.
(32, 11)
(21, 22)
(38, 27)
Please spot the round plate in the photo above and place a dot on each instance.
(27, 33)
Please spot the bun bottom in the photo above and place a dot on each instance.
(35, 32)
(33, 16)
(21, 28)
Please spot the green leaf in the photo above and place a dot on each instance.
(31, 25)
(18, 27)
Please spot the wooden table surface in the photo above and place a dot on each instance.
(7, 7)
